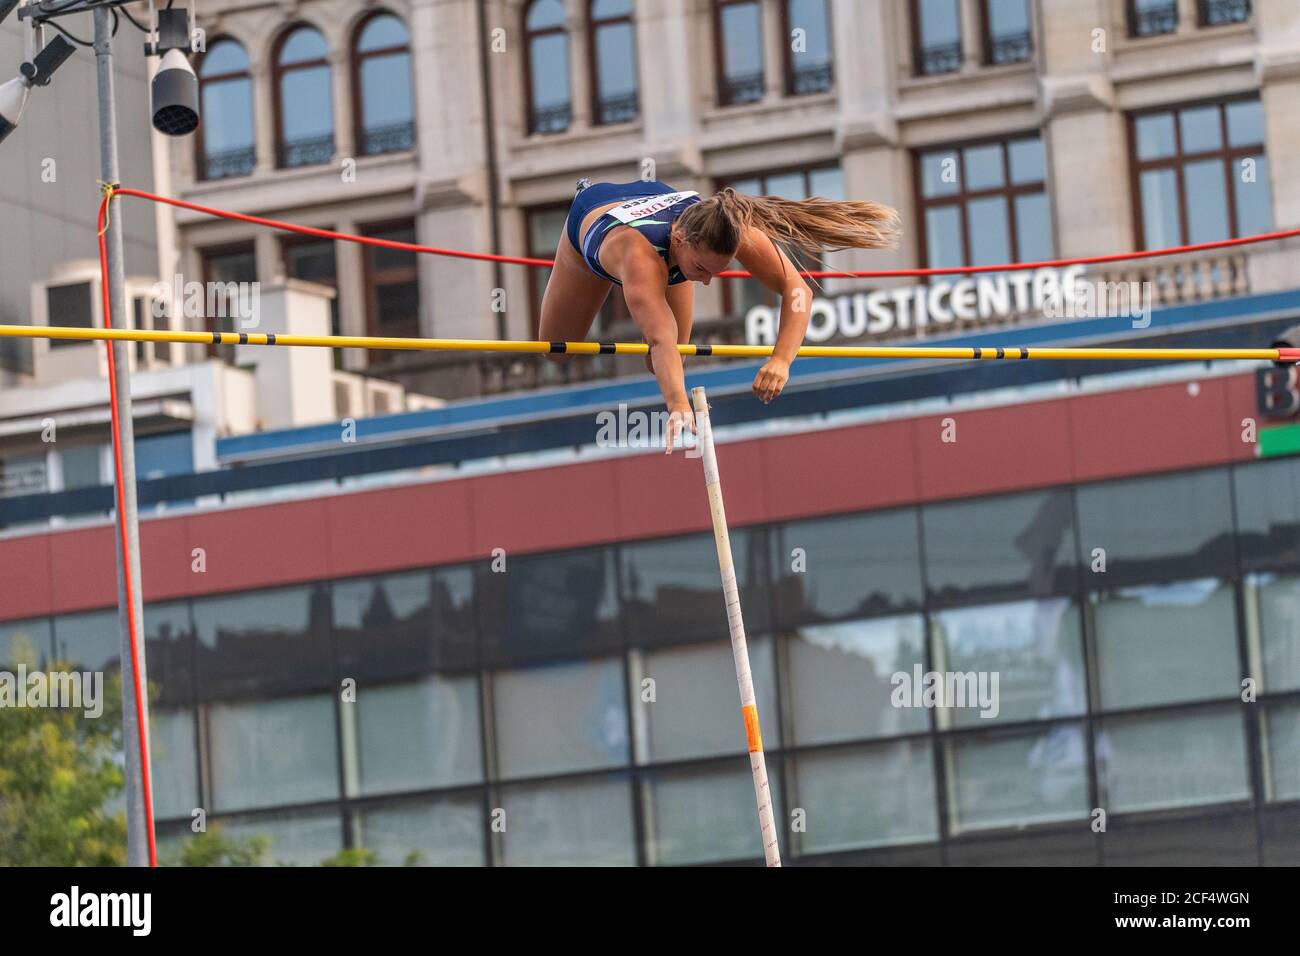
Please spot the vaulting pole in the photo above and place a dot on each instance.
(736, 625)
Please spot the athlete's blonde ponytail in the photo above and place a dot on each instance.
(807, 225)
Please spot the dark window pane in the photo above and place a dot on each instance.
(849, 566)
(1155, 136)
(983, 167)
(169, 651)
(312, 261)
(1201, 130)
(1268, 513)
(1157, 529)
(398, 303)
(1000, 548)
(402, 625)
(1166, 643)
(672, 589)
(1160, 209)
(555, 605)
(263, 641)
(1245, 123)
(1154, 17)
(1207, 201)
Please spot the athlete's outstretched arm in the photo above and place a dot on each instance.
(645, 278)
(773, 268)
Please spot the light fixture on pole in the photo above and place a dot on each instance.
(175, 86)
(37, 72)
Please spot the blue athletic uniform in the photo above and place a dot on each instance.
(650, 207)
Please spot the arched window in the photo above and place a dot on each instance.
(613, 62)
(226, 138)
(546, 49)
(304, 106)
(381, 83)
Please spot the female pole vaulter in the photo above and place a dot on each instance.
(655, 241)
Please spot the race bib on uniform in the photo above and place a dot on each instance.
(647, 206)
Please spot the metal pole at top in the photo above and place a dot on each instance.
(135, 719)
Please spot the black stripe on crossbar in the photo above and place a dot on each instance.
(704, 350)
(243, 338)
(979, 352)
(270, 338)
(607, 348)
(559, 347)
(1001, 352)
(216, 338)
(1024, 352)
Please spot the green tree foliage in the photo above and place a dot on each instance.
(60, 781)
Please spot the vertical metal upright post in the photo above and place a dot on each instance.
(134, 720)
(736, 625)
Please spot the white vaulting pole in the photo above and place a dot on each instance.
(736, 624)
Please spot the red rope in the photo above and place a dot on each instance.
(126, 552)
(820, 274)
